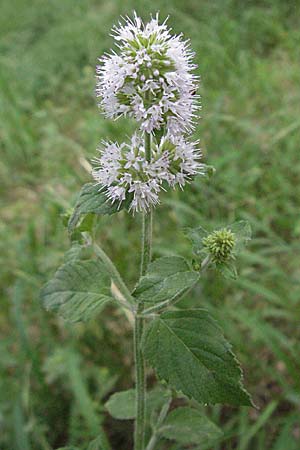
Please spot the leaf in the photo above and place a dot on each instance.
(242, 231)
(196, 236)
(166, 279)
(78, 291)
(121, 405)
(189, 352)
(73, 253)
(78, 251)
(92, 200)
(87, 223)
(227, 269)
(189, 426)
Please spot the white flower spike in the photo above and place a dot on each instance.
(150, 78)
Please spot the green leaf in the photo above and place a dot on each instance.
(188, 351)
(73, 253)
(189, 426)
(86, 224)
(121, 405)
(78, 291)
(92, 200)
(79, 251)
(242, 231)
(227, 269)
(166, 279)
(196, 236)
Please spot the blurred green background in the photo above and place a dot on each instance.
(54, 377)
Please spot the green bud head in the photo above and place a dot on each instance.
(220, 245)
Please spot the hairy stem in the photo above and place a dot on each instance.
(139, 435)
(146, 241)
(140, 385)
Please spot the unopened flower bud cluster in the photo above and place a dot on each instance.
(150, 79)
(220, 244)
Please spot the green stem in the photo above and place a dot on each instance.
(146, 241)
(139, 434)
(148, 146)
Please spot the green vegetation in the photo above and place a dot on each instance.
(55, 378)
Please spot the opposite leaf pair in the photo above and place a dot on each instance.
(185, 425)
(185, 347)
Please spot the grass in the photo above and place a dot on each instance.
(54, 377)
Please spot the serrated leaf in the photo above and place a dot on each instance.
(78, 290)
(92, 200)
(189, 426)
(166, 278)
(122, 405)
(188, 351)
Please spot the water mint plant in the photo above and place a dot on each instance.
(150, 78)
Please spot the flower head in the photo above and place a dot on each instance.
(123, 171)
(220, 244)
(150, 78)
